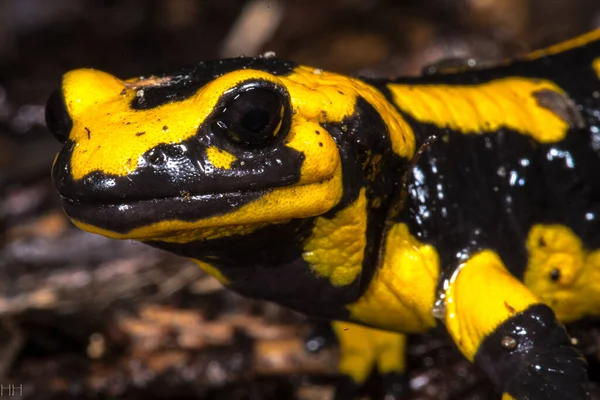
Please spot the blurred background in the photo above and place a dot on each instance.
(86, 317)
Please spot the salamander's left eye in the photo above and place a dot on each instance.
(253, 117)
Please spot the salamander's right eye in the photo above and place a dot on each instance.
(58, 120)
(253, 117)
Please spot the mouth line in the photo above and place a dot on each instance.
(125, 216)
(183, 196)
(135, 218)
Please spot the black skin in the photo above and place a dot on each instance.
(188, 80)
(532, 353)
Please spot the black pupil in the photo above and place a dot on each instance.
(255, 120)
(253, 116)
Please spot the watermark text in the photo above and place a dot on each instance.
(10, 390)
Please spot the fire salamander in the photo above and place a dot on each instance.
(470, 198)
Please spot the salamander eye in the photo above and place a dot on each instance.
(253, 117)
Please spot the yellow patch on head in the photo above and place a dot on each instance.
(336, 246)
(220, 158)
(329, 97)
(402, 291)
(487, 107)
(562, 272)
(109, 136)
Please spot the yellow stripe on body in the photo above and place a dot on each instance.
(487, 107)
(566, 45)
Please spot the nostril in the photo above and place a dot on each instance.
(166, 153)
(58, 121)
(157, 157)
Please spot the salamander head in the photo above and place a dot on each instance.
(228, 143)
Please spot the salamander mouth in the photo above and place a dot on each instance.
(148, 204)
(125, 216)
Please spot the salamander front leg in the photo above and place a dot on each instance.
(361, 350)
(501, 325)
